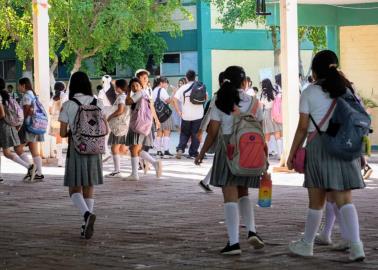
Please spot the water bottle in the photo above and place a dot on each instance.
(265, 191)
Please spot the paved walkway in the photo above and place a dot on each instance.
(160, 224)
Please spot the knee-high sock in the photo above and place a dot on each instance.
(59, 151)
(134, 165)
(79, 202)
(166, 143)
(90, 204)
(329, 220)
(147, 156)
(117, 161)
(38, 164)
(280, 147)
(340, 221)
(158, 143)
(314, 217)
(350, 218)
(18, 160)
(206, 181)
(231, 215)
(25, 157)
(247, 213)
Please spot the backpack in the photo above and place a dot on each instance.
(39, 121)
(163, 111)
(277, 109)
(347, 128)
(141, 117)
(90, 129)
(14, 115)
(120, 125)
(246, 149)
(198, 96)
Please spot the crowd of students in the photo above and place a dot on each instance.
(134, 127)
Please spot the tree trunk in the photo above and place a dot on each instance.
(53, 67)
(276, 50)
(277, 55)
(77, 64)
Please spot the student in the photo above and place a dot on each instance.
(324, 172)
(82, 172)
(249, 89)
(26, 137)
(162, 136)
(231, 99)
(204, 184)
(117, 141)
(56, 105)
(267, 97)
(175, 116)
(9, 135)
(134, 140)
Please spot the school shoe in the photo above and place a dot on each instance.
(322, 240)
(206, 188)
(367, 172)
(343, 245)
(255, 240)
(39, 178)
(179, 154)
(302, 248)
(114, 175)
(159, 168)
(131, 178)
(89, 225)
(30, 175)
(356, 252)
(167, 154)
(1, 179)
(160, 154)
(231, 250)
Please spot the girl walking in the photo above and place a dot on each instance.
(231, 99)
(324, 172)
(82, 172)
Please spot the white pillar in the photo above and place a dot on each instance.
(289, 70)
(41, 55)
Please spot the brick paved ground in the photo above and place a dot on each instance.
(160, 224)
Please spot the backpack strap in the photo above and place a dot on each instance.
(186, 91)
(158, 95)
(318, 127)
(94, 102)
(76, 101)
(255, 107)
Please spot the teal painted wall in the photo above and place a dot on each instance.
(186, 42)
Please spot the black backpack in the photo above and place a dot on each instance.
(198, 96)
(163, 111)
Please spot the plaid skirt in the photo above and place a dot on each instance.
(8, 135)
(27, 137)
(269, 125)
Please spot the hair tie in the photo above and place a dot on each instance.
(332, 65)
(226, 80)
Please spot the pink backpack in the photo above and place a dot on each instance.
(90, 129)
(14, 115)
(141, 117)
(277, 109)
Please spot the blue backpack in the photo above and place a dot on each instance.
(38, 122)
(347, 128)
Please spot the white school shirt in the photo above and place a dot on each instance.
(163, 94)
(266, 104)
(27, 98)
(250, 92)
(228, 120)
(190, 111)
(316, 102)
(69, 108)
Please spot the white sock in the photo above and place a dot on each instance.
(350, 218)
(231, 216)
(59, 151)
(134, 165)
(146, 156)
(166, 143)
(25, 157)
(329, 220)
(90, 204)
(18, 160)
(38, 164)
(340, 221)
(79, 202)
(247, 213)
(158, 143)
(314, 217)
(117, 163)
(279, 147)
(206, 181)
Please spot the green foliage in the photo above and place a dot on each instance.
(368, 102)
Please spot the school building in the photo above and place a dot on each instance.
(351, 30)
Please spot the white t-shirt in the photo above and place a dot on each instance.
(190, 111)
(27, 98)
(70, 108)
(227, 120)
(250, 92)
(316, 102)
(121, 99)
(163, 94)
(266, 104)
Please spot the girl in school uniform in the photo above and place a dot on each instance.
(134, 140)
(82, 172)
(26, 137)
(324, 172)
(9, 135)
(116, 142)
(232, 99)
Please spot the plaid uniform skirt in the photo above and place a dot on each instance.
(269, 125)
(27, 137)
(8, 135)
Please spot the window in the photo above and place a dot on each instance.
(8, 70)
(174, 64)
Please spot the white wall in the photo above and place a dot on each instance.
(186, 24)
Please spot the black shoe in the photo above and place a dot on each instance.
(82, 230)
(231, 250)
(206, 188)
(255, 240)
(160, 154)
(167, 154)
(1, 179)
(89, 225)
(39, 178)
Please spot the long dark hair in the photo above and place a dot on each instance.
(58, 88)
(228, 94)
(80, 83)
(27, 83)
(122, 84)
(324, 66)
(268, 90)
(4, 94)
(133, 80)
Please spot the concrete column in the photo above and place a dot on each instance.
(41, 56)
(289, 70)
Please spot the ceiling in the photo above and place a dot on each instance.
(336, 2)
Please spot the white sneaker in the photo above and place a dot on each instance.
(356, 252)
(159, 168)
(114, 175)
(322, 240)
(341, 246)
(301, 248)
(131, 178)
